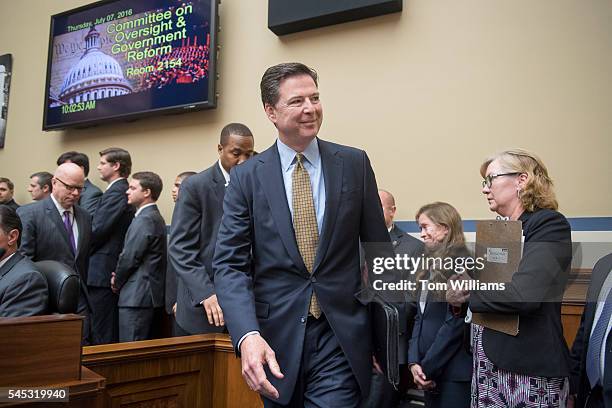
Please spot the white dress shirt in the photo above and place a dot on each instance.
(75, 228)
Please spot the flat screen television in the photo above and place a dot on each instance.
(126, 59)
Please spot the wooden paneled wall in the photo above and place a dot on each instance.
(573, 303)
(199, 371)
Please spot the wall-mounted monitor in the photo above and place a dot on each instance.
(126, 59)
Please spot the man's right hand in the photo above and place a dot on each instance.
(255, 352)
(213, 311)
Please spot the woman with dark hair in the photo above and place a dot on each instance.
(437, 356)
(530, 369)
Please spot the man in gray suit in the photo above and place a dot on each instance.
(91, 193)
(193, 234)
(23, 289)
(139, 277)
(170, 293)
(57, 229)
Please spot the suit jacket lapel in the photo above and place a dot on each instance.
(271, 180)
(219, 181)
(9, 264)
(54, 216)
(332, 175)
(598, 277)
(79, 217)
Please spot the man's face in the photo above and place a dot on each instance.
(298, 113)
(135, 194)
(8, 241)
(388, 208)
(67, 190)
(237, 150)
(6, 195)
(36, 191)
(107, 169)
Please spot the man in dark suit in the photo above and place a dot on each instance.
(591, 357)
(382, 393)
(195, 223)
(287, 257)
(6, 193)
(139, 277)
(57, 229)
(109, 226)
(171, 284)
(23, 289)
(91, 193)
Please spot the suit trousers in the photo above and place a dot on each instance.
(104, 321)
(135, 323)
(325, 378)
(449, 394)
(595, 398)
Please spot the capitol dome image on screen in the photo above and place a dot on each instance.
(96, 75)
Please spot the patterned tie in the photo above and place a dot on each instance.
(595, 342)
(305, 222)
(68, 226)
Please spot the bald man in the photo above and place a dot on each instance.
(57, 229)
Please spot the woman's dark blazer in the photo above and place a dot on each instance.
(535, 294)
(437, 344)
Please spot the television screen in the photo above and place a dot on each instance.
(124, 59)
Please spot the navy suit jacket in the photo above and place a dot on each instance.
(579, 380)
(109, 226)
(193, 236)
(23, 289)
(89, 197)
(535, 294)
(260, 277)
(437, 344)
(142, 264)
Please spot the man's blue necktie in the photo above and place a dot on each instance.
(597, 338)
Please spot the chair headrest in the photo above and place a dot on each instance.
(63, 285)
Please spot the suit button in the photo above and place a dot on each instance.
(303, 319)
(313, 279)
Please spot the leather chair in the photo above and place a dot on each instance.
(63, 285)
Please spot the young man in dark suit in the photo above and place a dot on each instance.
(591, 356)
(57, 229)
(23, 289)
(91, 193)
(195, 223)
(109, 226)
(6, 193)
(287, 257)
(139, 276)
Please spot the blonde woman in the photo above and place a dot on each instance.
(530, 369)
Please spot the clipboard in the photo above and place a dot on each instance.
(498, 242)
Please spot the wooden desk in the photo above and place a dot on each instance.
(193, 372)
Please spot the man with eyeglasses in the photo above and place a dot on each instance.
(57, 229)
(109, 226)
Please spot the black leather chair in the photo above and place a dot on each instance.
(63, 285)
